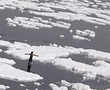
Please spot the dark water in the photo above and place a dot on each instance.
(45, 37)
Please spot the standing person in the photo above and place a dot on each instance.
(30, 61)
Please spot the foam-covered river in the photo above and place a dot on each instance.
(75, 30)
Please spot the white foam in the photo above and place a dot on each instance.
(73, 86)
(3, 87)
(80, 38)
(71, 31)
(1, 50)
(22, 85)
(37, 83)
(65, 83)
(51, 54)
(55, 87)
(11, 73)
(7, 61)
(36, 89)
(61, 36)
(5, 43)
(107, 89)
(80, 86)
(88, 71)
(36, 23)
(18, 49)
(63, 11)
(86, 33)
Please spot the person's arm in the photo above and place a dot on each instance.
(35, 55)
(27, 53)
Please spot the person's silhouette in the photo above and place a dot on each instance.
(30, 61)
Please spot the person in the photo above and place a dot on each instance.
(30, 61)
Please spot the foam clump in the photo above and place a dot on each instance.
(80, 86)
(3, 87)
(14, 74)
(55, 87)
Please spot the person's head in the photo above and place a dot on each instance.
(31, 52)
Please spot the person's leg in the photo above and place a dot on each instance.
(29, 67)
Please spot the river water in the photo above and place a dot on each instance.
(45, 37)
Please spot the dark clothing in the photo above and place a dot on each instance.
(30, 62)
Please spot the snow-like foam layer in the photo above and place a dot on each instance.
(86, 33)
(45, 52)
(80, 86)
(19, 49)
(3, 87)
(55, 87)
(51, 54)
(80, 38)
(74, 86)
(11, 73)
(63, 12)
(91, 53)
(7, 61)
(99, 70)
(36, 23)
(7, 71)
(1, 50)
